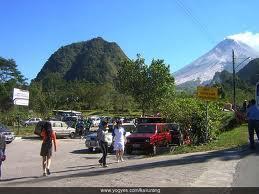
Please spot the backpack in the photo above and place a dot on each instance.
(48, 129)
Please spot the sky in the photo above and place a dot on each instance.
(178, 31)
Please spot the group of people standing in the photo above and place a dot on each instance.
(49, 138)
(119, 141)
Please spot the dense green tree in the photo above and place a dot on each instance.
(148, 85)
(10, 77)
(94, 61)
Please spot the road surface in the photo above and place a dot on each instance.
(74, 166)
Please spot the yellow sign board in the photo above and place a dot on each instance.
(207, 93)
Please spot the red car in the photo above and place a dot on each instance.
(148, 137)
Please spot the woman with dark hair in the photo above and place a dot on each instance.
(48, 135)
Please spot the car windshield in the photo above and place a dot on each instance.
(3, 128)
(129, 128)
(146, 129)
(151, 120)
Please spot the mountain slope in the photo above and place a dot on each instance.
(216, 60)
(95, 61)
(250, 73)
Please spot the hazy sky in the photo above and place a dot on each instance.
(178, 31)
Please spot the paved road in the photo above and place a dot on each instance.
(73, 166)
(247, 170)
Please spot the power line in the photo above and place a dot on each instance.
(189, 13)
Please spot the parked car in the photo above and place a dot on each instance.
(59, 127)
(70, 120)
(129, 128)
(95, 121)
(32, 121)
(150, 120)
(38, 128)
(176, 134)
(91, 140)
(92, 144)
(148, 137)
(9, 136)
(62, 129)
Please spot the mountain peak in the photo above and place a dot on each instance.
(95, 61)
(216, 60)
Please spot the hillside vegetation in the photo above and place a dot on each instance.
(94, 61)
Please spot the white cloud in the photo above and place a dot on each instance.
(251, 39)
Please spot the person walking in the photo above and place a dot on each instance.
(48, 136)
(2, 151)
(253, 122)
(102, 134)
(244, 106)
(119, 141)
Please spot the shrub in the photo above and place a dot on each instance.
(192, 111)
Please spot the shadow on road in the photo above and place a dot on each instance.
(19, 178)
(84, 151)
(35, 137)
(224, 155)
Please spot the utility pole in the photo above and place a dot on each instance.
(234, 80)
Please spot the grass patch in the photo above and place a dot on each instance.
(230, 139)
(23, 131)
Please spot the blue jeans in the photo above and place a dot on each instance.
(253, 125)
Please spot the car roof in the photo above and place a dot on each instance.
(128, 124)
(3, 128)
(153, 123)
(57, 121)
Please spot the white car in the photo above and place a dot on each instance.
(91, 140)
(32, 121)
(92, 144)
(95, 121)
(9, 135)
(62, 129)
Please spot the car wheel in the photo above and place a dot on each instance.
(72, 135)
(128, 150)
(154, 150)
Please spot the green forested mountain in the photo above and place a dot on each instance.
(94, 61)
(250, 73)
(246, 79)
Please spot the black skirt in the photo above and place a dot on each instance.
(46, 149)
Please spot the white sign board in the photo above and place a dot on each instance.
(20, 97)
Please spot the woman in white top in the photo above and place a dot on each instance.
(119, 140)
